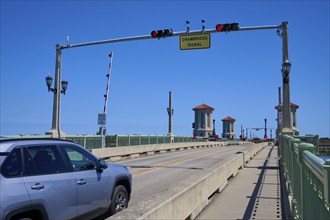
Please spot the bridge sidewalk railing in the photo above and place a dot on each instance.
(307, 177)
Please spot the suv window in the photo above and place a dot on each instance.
(39, 160)
(80, 159)
(12, 167)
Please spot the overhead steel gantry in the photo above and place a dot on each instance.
(282, 31)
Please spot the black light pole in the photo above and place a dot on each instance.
(265, 128)
(170, 112)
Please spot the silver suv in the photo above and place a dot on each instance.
(58, 179)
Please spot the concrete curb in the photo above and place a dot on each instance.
(188, 198)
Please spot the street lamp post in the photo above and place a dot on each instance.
(55, 130)
(286, 66)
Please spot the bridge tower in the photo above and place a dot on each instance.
(203, 126)
(293, 122)
(228, 127)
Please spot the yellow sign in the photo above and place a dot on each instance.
(195, 41)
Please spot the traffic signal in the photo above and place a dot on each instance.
(227, 27)
(162, 33)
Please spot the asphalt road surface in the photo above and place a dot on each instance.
(155, 174)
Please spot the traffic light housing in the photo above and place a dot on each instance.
(227, 27)
(161, 33)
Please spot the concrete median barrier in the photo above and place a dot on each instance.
(117, 153)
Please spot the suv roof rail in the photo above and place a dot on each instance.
(37, 138)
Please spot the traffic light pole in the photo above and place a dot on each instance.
(285, 66)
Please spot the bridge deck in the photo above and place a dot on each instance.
(255, 193)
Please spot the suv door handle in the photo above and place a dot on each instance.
(37, 186)
(81, 182)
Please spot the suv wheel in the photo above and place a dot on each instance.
(119, 199)
(25, 216)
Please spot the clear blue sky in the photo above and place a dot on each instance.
(239, 75)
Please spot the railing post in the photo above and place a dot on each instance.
(326, 175)
(289, 156)
(301, 191)
(294, 209)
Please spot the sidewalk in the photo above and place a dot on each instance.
(255, 193)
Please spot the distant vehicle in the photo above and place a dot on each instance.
(58, 179)
(214, 138)
(256, 140)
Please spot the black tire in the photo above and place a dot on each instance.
(119, 200)
(23, 217)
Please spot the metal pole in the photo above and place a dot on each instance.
(286, 81)
(106, 96)
(265, 136)
(170, 114)
(241, 130)
(214, 133)
(279, 129)
(271, 133)
(56, 131)
(144, 37)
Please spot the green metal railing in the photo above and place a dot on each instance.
(87, 141)
(132, 140)
(307, 176)
(95, 141)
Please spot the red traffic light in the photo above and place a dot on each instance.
(218, 27)
(153, 34)
(162, 33)
(227, 27)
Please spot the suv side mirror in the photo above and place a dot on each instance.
(101, 165)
